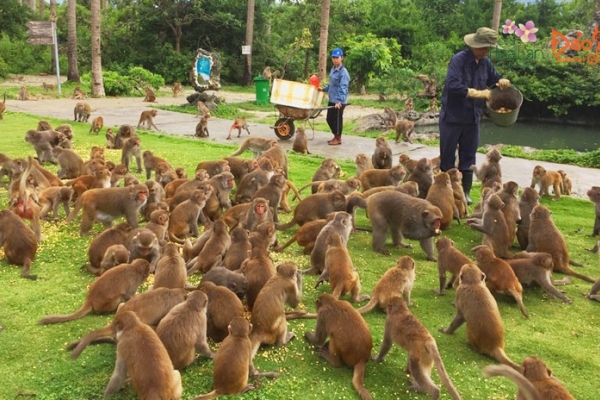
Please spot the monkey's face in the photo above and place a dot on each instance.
(538, 171)
(260, 208)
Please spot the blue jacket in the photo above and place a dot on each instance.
(464, 73)
(339, 80)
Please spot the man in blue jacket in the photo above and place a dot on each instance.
(339, 80)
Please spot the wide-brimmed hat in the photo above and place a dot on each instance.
(484, 37)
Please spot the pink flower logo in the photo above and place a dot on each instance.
(527, 32)
(509, 28)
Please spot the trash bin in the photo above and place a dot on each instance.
(262, 90)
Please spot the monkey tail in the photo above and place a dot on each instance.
(519, 299)
(523, 383)
(369, 306)
(439, 365)
(55, 319)
(212, 395)
(175, 239)
(238, 151)
(580, 276)
(309, 184)
(575, 263)
(91, 337)
(501, 356)
(294, 189)
(285, 245)
(358, 381)
(283, 227)
(75, 210)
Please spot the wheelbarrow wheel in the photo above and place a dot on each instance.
(284, 128)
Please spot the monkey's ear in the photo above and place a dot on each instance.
(232, 286)
(425, 213)
(483, 276)
(549, 372)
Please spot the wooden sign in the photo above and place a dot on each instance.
(40, 40)
(40, 32)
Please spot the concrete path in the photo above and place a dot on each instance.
(127, 110)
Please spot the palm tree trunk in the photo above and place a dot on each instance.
(53, 19)
(32, 5)
(323, 37)
(73, 71)
(249, 39)
(97, 81)
(496, 15)
(42, 8)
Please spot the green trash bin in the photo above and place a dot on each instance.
(262, 90)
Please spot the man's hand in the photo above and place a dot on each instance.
(338, 105)
(484, 94)
(503, 84)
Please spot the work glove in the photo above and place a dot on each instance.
(503, 84)
(484, 94)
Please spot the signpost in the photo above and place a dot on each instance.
(44, 33)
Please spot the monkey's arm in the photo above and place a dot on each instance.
(455, 324)
(318, 337)
(117, 380)
(478, 225)
(386, 345)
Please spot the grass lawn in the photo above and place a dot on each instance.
(36, 364)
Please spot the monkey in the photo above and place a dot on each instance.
(284, 204)
(536, 382)
(181, 173)
(131, 148)
(184, 218)
(238, 250)
(97, 124)
(233, 362)
(184, 184)
(406, 216)
(409, 104)
(203, 110)
(107, 291)
(350, 340)
(402, 127)
(146, 120)
(70, 163)
(51, 198)
(450, 259)
(114, 255)
(347, 186)
(511, 209)
(433, 105)
(3, 107)
(545, 237)
(190, 251)
(236, 215)
(545, 179)
(150, 96)
(183, 330)
(43, 142)
(272, 193)
(213, 168)
(264, 236)
(458, 192)
(23, 201)
(66, 129)
(339, 223)
(567, 185)
(396, 281)
(339, 270)
(240, 123)
(158, 222)
(300, 144)
(219, 198)
(257, 145)
(536, 268)
(143, 243)
(594, 195)
(260, 211)
(117, 174)
(490, 171)
(258, 268)
(106, 204)
(78, 94)
(176, 88)
(404, 329)
(223, 307)
(23, 94)
(232, 280)
(82, 112)
(327, 170)
(83, 183)
(202, 127)
(306, 235)
(423, 175)
(382, 156)
(408, 163)
(493, 226)
(278, 158)
(593, 294)
(314, 207)
(363, 163)
(440, 194)
(239, 167)
(116, 235)
(44, 125)
(268, 316)
(500, 277)
(476, 307)
(18, 242)
(528, 200)
(165, 173)
(214, 250)
(151, 163)
(125, 131)
(142, 356)
(409, 188)
(382, 177)
(48, 86)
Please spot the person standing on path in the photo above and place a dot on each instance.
(469, 74)
(337, 89)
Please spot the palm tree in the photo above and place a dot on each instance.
(323, 37)
(496, 14)
(32, 5)
(249, 39)
(97, 81)
(73, 71)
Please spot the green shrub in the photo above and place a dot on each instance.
(114, 84)
(4, 70)
(142, 78)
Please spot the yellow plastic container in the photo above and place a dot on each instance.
(295, 94)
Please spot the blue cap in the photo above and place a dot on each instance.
(337, 52)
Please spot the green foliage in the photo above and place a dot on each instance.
(174, 66)
(142, 78)
(4, 69)
(589, 159)
(14, 16)
(368, 56)
(114, 84)
(25, 58)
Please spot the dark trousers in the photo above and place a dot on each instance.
(465, 137)
(335, 118)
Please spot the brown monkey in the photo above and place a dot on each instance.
(147, 215)
(382, 156)
(258, 268)
(404, 329)
(545, 237)
(232, 280)
(440, 194)
(300, 144)
(409, 104)
(408, 163)
(316, 206)
(347, 186)
(43, 142)
(184, 218)
(146, 120)
(219, 199)
(256, 145)
(259, 212)
(223, 307)
(511, 209)
(183, 330)
(567, 185)
(214, 250)
(594, 195)
(114, 255)
(70, 163)
(48, 86)
(66, 129)
(238, 250)
(490, 171)
(528, 200)
(82, 112)
(97, 124)
(500, 277)
(190, 251)
(110, 139)
(450, 259)
(409, 188)
(382, 177)
(165, 173)
(181, 174)
(203, 110)
(151, 163)
(493, 226)
(214, 167)
(142, 356)
(278, 158)
(159, 223)
(52, 197)
(403, 128)
(18, 242)
(546, 179)
(536, 268)
(176, 88)
(476, 306)
(350, 340)
(117, 174)
(100, 179)
(233, 362)
(108, 204)
(306, 235)
(79, 94)
(143, 243)
(3, 107)
(125, 131)
(327, 170)
(339, 223)
(339, 270)
(184, 184)
(150, 96)
(108, 290)
(423, 175)
(130, 149)
(202, 127)
(44, 125)
(264, 236)
(236, 215)
(363, 163)
(272, 193)
(239, 123)
(457, 190)
(23, 94)
(406, 216)
(239, 167)
(113, 236)
(526, 389)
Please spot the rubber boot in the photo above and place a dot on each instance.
(467, 182)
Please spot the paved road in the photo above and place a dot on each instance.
(127, 110)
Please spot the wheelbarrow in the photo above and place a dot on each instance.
(284, 127)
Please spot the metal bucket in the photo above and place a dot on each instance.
(507, 99)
